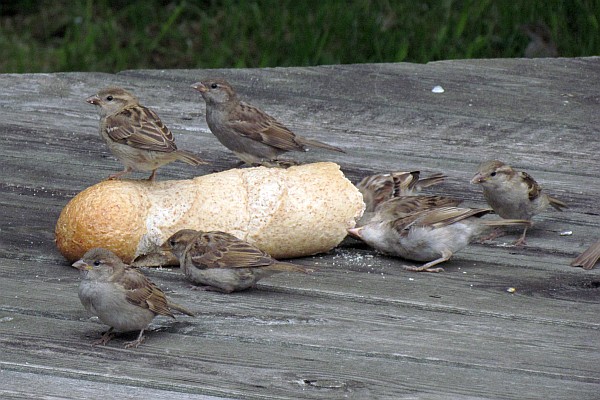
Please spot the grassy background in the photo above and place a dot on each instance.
(109, 35)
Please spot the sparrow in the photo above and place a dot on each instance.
(379, 188)
(512, 193)
(391, 196)
(404, 206)
(135, 134)
(430, 235)
(121, 296)
(541, 44)
(222, 262)
(588, 258)
(252, 135)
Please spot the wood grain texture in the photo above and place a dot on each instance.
(360, 326)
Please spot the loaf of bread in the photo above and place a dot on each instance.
(299, 211)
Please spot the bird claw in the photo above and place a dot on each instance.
(134, 343)
(494, 235)
(520, 242)
(412, 268)
(106, 337)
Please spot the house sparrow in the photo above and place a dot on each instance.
(379, 188)
(221, 261)
(430, 235)
(541, 44)
(513, 194)
(254, 136)
(391, 196)
(135, 134)
(404, 206)
(588, 258)
(120, 295)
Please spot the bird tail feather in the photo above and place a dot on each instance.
(189, 158)
(507, 222)
(181, 309)
(557, 204)
(289, 267)
(316, 143)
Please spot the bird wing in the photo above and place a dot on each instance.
(251, 122)
(142, 292)
(534, 190)
(141, 128)
(222, 250)
(438, 217)
(404, 205)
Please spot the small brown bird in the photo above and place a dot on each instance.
(135, 134)
(222, 262)
(541, 44)
(254, 136)
(430, 235)
(513, 194)
(391, 196)
(588, 258)
(379, 188)
(121, 296)
(404, 206)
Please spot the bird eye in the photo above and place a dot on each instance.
(96, 263)
(172, 243)
(493, 173)
(214, 85)
(109, 98)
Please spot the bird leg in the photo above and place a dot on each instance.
(135, 343)
(208, 288)
(521, 241)
(119, 174)
(284, 163)
(496, 233)
(106, 337)
(427, 267)
(152, 175)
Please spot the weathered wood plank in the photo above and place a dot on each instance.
(359, 327)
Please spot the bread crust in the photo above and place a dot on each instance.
(294, 212)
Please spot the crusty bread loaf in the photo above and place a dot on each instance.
(292, 212)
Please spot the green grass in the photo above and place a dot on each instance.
(105, 35)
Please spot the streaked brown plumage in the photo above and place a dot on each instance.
(379, 188)
(430, 235)
(395, 195)
(135, 134)
(121, 296)
(541, 44)
(588, 258)
(223, 262)
(512, 193)
(254, 136)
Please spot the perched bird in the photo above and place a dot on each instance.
(588, 258)
(135, 134)
(404, 206)
(222, 262)
(254, 136)
(430, 235)
(121, 296)
(540, 44)
(395, 195)
(379, 188)
(513, 194)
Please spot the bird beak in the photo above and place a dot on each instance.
(355, 232)
(95, 100)
(166, 246)
(82, 265)
(199, 86)
(478, 179)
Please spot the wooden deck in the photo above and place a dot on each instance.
(360, 327)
